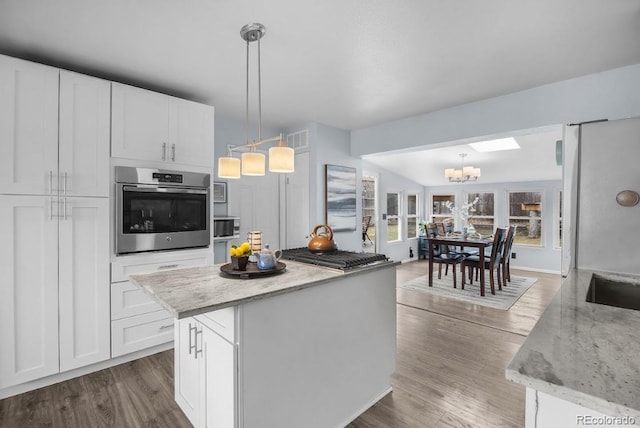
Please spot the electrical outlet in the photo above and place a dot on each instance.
(513, 255)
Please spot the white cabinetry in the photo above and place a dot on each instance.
(84, 135)
(29, 127)
(206, 367)
(150, 126)
(55, 252)
(84, 282)
(137, 322)
(55, 313)
(53, 144)
(29, 289)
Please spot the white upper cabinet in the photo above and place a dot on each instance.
(139, 123)
(54, 132)
(150, 126)
(29, 127)
(84, 135)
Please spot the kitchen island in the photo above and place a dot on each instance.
(580, 362)
(311, 347)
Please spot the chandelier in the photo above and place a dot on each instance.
(251, 162)
(464, 174)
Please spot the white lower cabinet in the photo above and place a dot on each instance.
(138, 332)
(54, 310)
(205, 372)
(137, 321)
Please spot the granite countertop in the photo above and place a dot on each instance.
(192, 291)
(582, 352)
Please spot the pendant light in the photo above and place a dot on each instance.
(251, 162)
(462, 175)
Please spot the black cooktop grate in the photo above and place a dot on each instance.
(338, 259)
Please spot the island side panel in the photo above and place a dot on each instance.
(320, 356)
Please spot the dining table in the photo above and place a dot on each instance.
(455, 240)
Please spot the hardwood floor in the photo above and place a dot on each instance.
(449, 372)
(452, 356)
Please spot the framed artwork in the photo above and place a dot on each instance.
(340, 198)
(219, 193)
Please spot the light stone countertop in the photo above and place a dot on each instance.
(582, 352)
(192, 291)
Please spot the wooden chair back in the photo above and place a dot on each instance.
(498, 245)
(508, 243)
(366, 222)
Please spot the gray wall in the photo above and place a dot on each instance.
(612, 94)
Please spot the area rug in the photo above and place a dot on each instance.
(503, 299)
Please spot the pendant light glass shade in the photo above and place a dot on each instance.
(253, 163)
(281, 159)
(228, 167)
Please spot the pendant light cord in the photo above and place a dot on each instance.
(259, 97)
(246, 119)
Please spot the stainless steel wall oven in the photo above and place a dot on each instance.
(161, 210)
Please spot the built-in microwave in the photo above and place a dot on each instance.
(226, 228)
(161, 210)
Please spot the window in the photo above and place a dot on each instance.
(393, 212)
(558, 239)
(439, 209)
(483, 219)
(525, 211)
(413, 215)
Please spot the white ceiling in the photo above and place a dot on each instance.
(345, 63)
(534, 161)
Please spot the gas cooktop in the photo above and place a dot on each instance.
(339, 259)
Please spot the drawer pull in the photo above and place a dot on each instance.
(168, 266)
(166, 327)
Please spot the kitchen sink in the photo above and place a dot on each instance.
(618, 291)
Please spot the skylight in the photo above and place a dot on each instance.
(495, 145)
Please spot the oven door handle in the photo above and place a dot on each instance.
(160, 189)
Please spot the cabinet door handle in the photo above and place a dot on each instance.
(165, 327)
(198, 351)
(191, 346)
(50, 182)
(64, 184)
(164, 151)
(173, 153)
(64, 208)
(50, 208)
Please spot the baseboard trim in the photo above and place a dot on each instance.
(531, 269)
(60, 377)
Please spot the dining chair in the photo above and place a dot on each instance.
(492, 262)
(506, 256)
(366, 222)
(443, 256)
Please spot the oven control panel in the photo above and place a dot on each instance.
(167, 178)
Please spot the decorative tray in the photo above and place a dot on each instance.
(252, 271)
